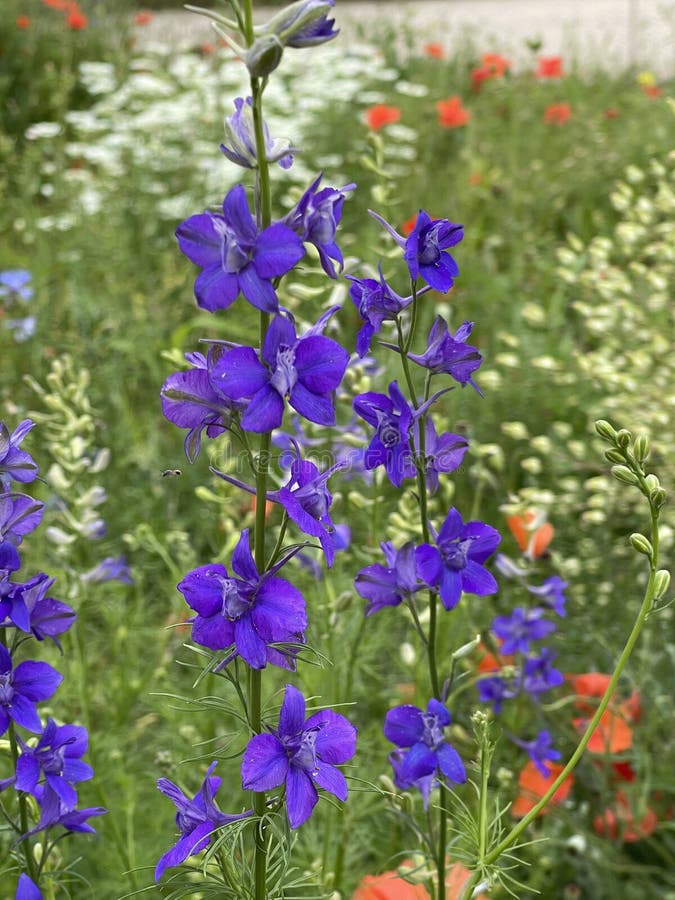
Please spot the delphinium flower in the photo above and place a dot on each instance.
(302, 754)
(112, 568)
(189, 400)
(235, 256)
(376, 302)
(495, 689)
(442, 453)
(539, 674)
(315, 219)
(552, 593)
(197, 819)
(55, 813)
(391, 416)
(27, 606)
(57, 758)
(392, 584)
(428, 755)
(304, 23)
(520, 628)
(424, 249)
(455, 564)
(19, 515)
(248, 613)
(27, 889)
(16, 464)
(15, 285)
(541, 751)
(305, 369)
(240, 135)
(21, 688)
(449, 353)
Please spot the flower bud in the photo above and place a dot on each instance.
(641, 544)
(605, 430)
(658, 497)
(623, 473)
(385, 782)
(264, 56)
(466, 649)
(614, 456)
(623, 437)
(652, 483)
(641, 448)
(661, 583)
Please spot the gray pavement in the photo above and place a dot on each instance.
(609, 34)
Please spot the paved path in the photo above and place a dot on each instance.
(606, 33)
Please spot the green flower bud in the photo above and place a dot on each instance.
(641, 544)
(658, 497)
(661, 583)
(652, 483)
(623, 473)
(466, 649)
(264, 56)
(614, 456)
(623, 437)
(605, 430)
(641, 447)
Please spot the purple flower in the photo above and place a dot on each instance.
(552, 594)
(305, 370)
(496, 690)
(520, 628)
(408, 727)
(15, 463)
(390, 446)
(22, 329)
(424, 249)
(315, 220)
(27, 889)
(235, 257)
(247, 613)
(197, 819)
(540, 751)
(189, 400)
(303, 754)
(449, 353)
(28, 608)
(376, 302)
(22, 688)
(14, 285)
(389, 585)
(56, 756)
(455, 564)
(441, 454)
(304, 23)
(240, 133)
(112, 568)
(19, 515)
(54, 812)
(539, 675)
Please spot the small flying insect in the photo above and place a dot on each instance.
(171, 473)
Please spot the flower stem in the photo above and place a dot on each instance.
(23, 811)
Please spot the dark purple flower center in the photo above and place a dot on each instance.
(388, 431)
(6, 689)
(455, 553)
(285, 375)
(188, 819)
(52, 760)
(433, 732)
(305, 756)
(321, 226)
(235, 602)
(314, 499)
(235, 252)
(429, 252)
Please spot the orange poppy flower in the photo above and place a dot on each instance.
(557, 114)
(436, 51)
(611, 112)
(550, 67)
(618, 822)
(533, 786)
(388, 886)
(76, 19)
(497, 64)
(489, 662)
(61, 5)
(594, 684)
(478, 76)
(532, 532)
(143, 17)
(652, 90)
(22, 22)
(408, 225)
(451, 113)
(380, 115)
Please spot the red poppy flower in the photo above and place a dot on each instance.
(478, 76)
(143, 17)
(436, 51)
(22, 22)
(76, 19)
(611, 112)
(558, 113)
(497, 64)
(652, 90)
(532, 532)
(550, 67)
(490, 662)
(533, 786)
(408, 226)
(61, 5)
(475, 178)
(612, 735)
(451, 113)
(390, 886)
(618, 821)
(380, 115)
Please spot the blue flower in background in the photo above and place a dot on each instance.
(540, 751)
(389, 585)
(551, 592)
(14, 285)
(21, 688)
(240, 134)
(520, 628)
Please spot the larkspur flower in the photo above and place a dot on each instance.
(112, 568)
(315, 219)
(57, 758)
(449, 353)
(520, 628)
(27, 607)
(22, 329)
(21, 688)
(247, 613)
(390, 445)
(539, 675)
(16, 464)
(541, 751)
(302, 754)
(197, 819)
(240, 134)
(305, 369)
(55, 813)
(235, 257)
(19, 515)
(442, 454)
(389, 585)
(376, 303)
(424, 248)
(551, 592)
(496, 690)
(429, 754)
(455, 564)
(26, 889)
(14, 285)
(189, 400)
(304, 23)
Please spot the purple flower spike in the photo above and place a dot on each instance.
(391, 585)
(15, 463)
(376, 302)
(540, 751)
(455, 564)
(302, 754)
(429, 754)
(442, 454)
(56, 756)
(197, 819)
(552, 593)
(27, 889)
(247, 613)
(240, 133)
(449, 353)
(520, 628)
(305, 370)
(23, 687)
(28, 607)
(424, 249)
(315, 220)
(235, 257)
(390, 446)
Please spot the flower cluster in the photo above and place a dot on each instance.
(46, 764)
